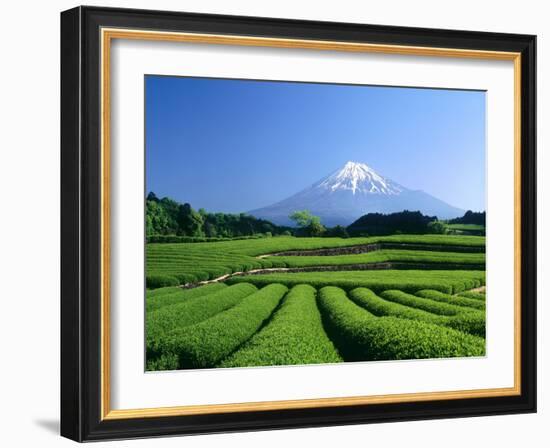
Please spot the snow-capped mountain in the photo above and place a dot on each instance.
(359, 178)
(351, 192)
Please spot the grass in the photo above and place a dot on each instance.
(361, 336)
(411, 281)
(159, 298)
(207, 343)
(295, 335)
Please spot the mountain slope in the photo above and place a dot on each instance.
(351, 192)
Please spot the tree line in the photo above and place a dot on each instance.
(168, 217)
(170, 221)
(470, 217)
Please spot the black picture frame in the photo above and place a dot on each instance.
(81, 224)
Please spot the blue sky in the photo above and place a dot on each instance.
(236, 145)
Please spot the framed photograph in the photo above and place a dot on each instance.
(273, 223)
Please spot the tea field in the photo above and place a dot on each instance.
(287, 300)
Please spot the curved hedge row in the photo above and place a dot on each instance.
(467, 322)
(161, 322)
(161, 291)
(472, 295)
(171, 296)
(160, 281)
(431, 306)
(385, 255)
(376, 305)
(206, 343)
(171, 264)
(408, 280)
(295, 335)
(360, 336)
(200, 239)
(453, 300)
(473, 323)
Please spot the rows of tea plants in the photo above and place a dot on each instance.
(411, 281)
(187, 263)
(360, 335)
(385, 255)
(162, 322)
(228, 316)
(400, 304)
(209, 341)
(243, 326)
(161, 297)
(295, 335)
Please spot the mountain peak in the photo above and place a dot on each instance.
(352, 164)
(360, 178)
(350, 192)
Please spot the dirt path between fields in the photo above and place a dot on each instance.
(481, 289)
(344, 267)
(357, 249)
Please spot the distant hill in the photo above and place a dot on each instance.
(470, 217)
(351, 192)
(380, 224)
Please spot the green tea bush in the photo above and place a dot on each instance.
(473, 295)
(408, 280)
(453, 300)
(206, 343)
(360, 336)
(167, 361)
(187, 278)
(160, 281)
(467, 322)
(387, 255)
(473, 323)
(425, 304)
(367, 299)
(176, 295)
(295, 335)
(162, 291)
(201, 239)
(161, 322)
(206, 259)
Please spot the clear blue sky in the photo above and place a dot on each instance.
(237, 145)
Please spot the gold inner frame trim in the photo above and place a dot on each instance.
(107, 35)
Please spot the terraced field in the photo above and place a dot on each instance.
(184, 263)
(286, 300)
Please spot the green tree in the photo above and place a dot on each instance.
(157, 220)
(309, 223)
(338, 231)
(437, 227)
(304, 218)
(315, 228)
(190, 222)
(210, 229)
(152, 197)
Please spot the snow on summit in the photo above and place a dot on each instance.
(351, 192)
(359, 177)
